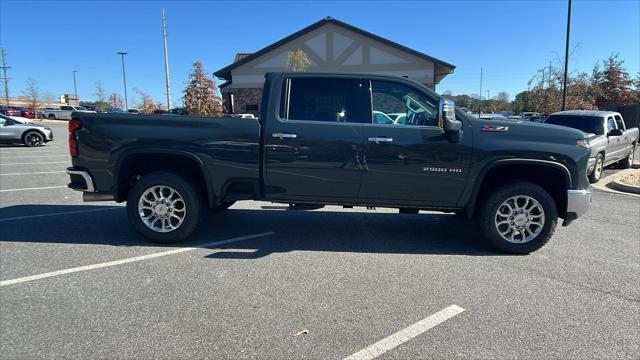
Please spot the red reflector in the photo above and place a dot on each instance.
(73, 143)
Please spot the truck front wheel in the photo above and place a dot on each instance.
(164, 207)
(518, 217)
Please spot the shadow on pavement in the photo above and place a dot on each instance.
(331, 231)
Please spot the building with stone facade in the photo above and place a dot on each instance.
(331, 46)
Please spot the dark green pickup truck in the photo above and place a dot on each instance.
(341, 139)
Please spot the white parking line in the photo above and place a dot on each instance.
(406, 334)
(34, 173)
(129, 260)
(33, 156)
(58, 213)
(39, 163)
(35, 188)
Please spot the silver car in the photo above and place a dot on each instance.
(13, 131)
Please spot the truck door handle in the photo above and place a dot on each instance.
(284, 136)
(379, 140)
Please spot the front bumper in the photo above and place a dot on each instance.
(578, 202)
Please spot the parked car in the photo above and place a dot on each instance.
(329, 151)
(528, 116)
(134, 111)
(27, 113)
(9, 111)
(12, 131)
(64, 113)
(607, 135)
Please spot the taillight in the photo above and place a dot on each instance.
(73, 142)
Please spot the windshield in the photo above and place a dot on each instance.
(81, 108)
(588, 124)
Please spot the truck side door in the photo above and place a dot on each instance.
(615, 145)
(313, 142)
(625, 137)
(411, 161)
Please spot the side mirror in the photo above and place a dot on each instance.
(447, 117)
(615, 132)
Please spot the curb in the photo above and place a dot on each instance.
(605, 183)
(617, 185)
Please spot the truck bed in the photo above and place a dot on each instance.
(231, 146)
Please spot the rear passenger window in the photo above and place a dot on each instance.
(620, 122)
(328, 100)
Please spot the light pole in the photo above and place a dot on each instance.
(124, 78)
(75, 88)
(566, 59)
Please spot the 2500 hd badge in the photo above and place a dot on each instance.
(441, 169)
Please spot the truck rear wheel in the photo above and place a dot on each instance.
(518, 217)
(627, 162)
(164, 207)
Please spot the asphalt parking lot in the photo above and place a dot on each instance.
(78, 282)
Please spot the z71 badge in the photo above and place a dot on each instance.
(441, 170)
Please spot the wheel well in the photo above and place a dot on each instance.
(30, 131)
(137, 165)
(552, 179)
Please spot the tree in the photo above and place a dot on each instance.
(615, 86)
(502, 96)
(521, 102)
(115, 101)
(297, 61)
(33, 95)
(100, 94)
(146, 104)
(200, 95)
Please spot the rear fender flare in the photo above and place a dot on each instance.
(203, 169)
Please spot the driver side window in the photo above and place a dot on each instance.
(401, 105)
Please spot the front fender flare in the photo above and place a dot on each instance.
(471, 203)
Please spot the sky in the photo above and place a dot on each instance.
(510, 40)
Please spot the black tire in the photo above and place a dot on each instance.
(193, 203)
(595, 175)
(222, 206)
(33, 139)
(52, 117)
(490, 207)
(627, 162)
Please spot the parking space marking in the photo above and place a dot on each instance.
(38, 163)
(129, 260)
(35, 188)
(406, 334)
(34, 173)
(33, 156)
(59, 213)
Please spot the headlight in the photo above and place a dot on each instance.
(584, 143)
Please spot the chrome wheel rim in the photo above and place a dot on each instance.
(519, 219)
(162, 208)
